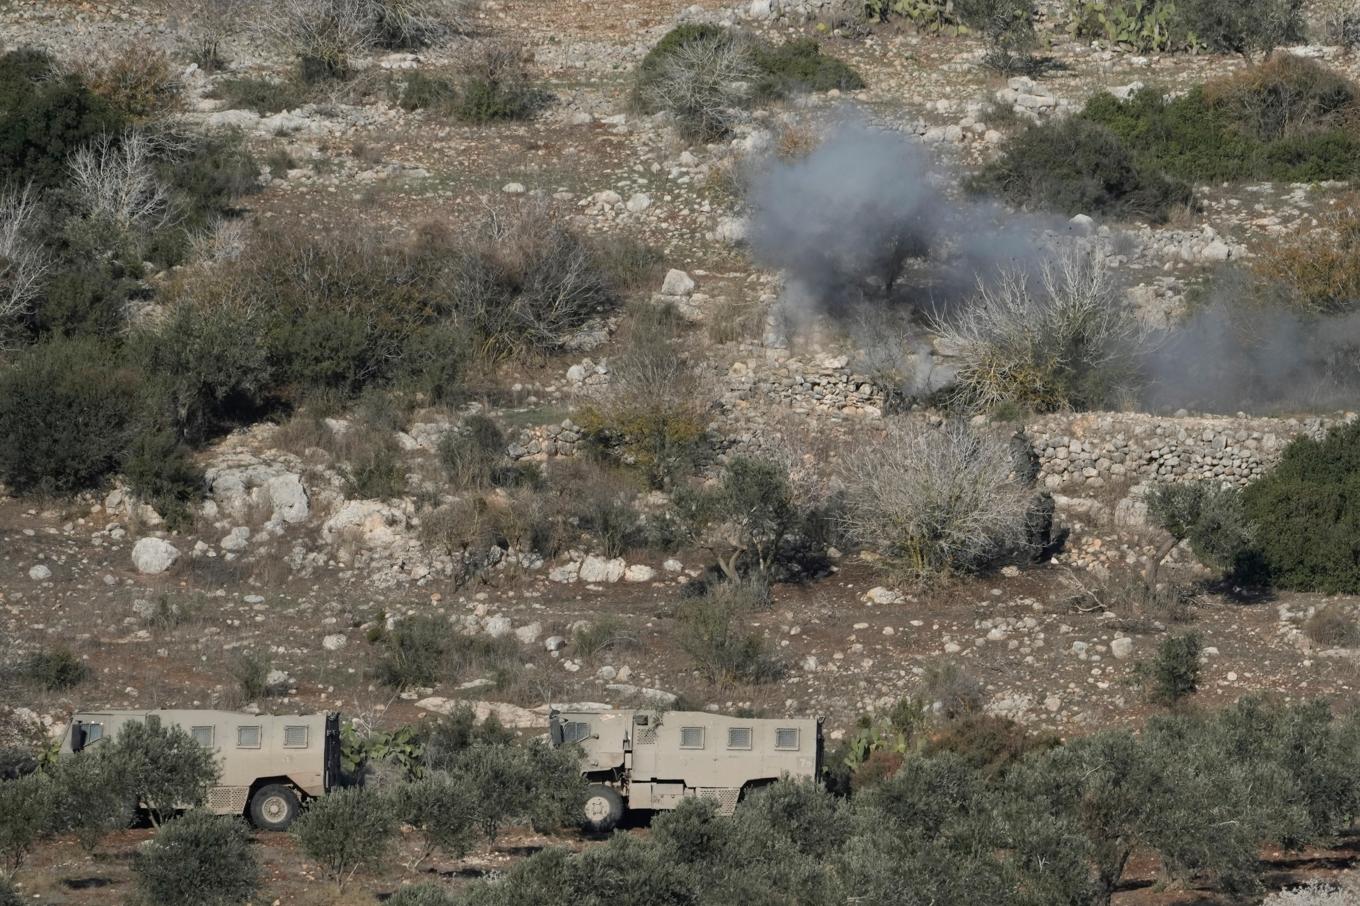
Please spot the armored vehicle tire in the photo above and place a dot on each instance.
(273, 807)
(603, 808)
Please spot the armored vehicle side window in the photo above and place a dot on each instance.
(739, 737)
(786, 738)
(247, 737)
(92, 732)
(295, 737)
(203, 736)
(691, 737)
(575, 731)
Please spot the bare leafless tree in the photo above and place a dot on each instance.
(324, 34)
(205, 26)
(23, 263)
(114, 180)
(704, 84)
(413, 24)
(934, 501)
(1065, 340)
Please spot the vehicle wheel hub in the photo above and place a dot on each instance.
(275, 809)
(597, 808)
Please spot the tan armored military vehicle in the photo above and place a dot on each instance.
(656, 759)
(270, 765)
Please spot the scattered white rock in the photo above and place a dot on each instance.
(39, 573)
(335, 641)
(639, 572)
(1122, 647)
(677, 283)
(153, 556)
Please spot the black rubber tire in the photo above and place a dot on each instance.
(274, 807)
(603, 809)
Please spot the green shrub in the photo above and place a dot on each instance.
(417, 24)
(472, 454)
(44, 122)
(1079, 166)
(1243, 26)
(457, 731)
(341, 309)
(800, 65)
(415, 652)
(373, 469)
(206, 174)
(264, 96)
(160, 471)
(1007, 28)
(8, 895)
(200, 859)
(526, 282)
(1307, 514)
(21, 72)
(426, 894)
(138, 82)
(161, 766)
(1173, 674)
(1287, 121)
(988, 743)
(67, 414)
(436, 361)
(494, 84)
(207, 359)
(56, 669)
(250, 669)
(424, 92)
(712, 632)
(347, 830)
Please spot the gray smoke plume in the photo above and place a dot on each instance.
(865, 209)
(1231, 356)
(864, 230)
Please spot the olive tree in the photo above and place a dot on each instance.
(25, 815)
(199, 859)
(745, 519)
(532, 784)
(346, 831)
(1206, 514)
(161, 766)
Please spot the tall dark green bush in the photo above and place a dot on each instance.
(200, 859)
(416, 652)
(1307, 514)
(1173, 673)
(1287, 119)
(1243, 26)
(45, 122)
(1076, 166)
(800, 65)
(68, 412)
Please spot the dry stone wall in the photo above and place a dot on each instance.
(1080, 454)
